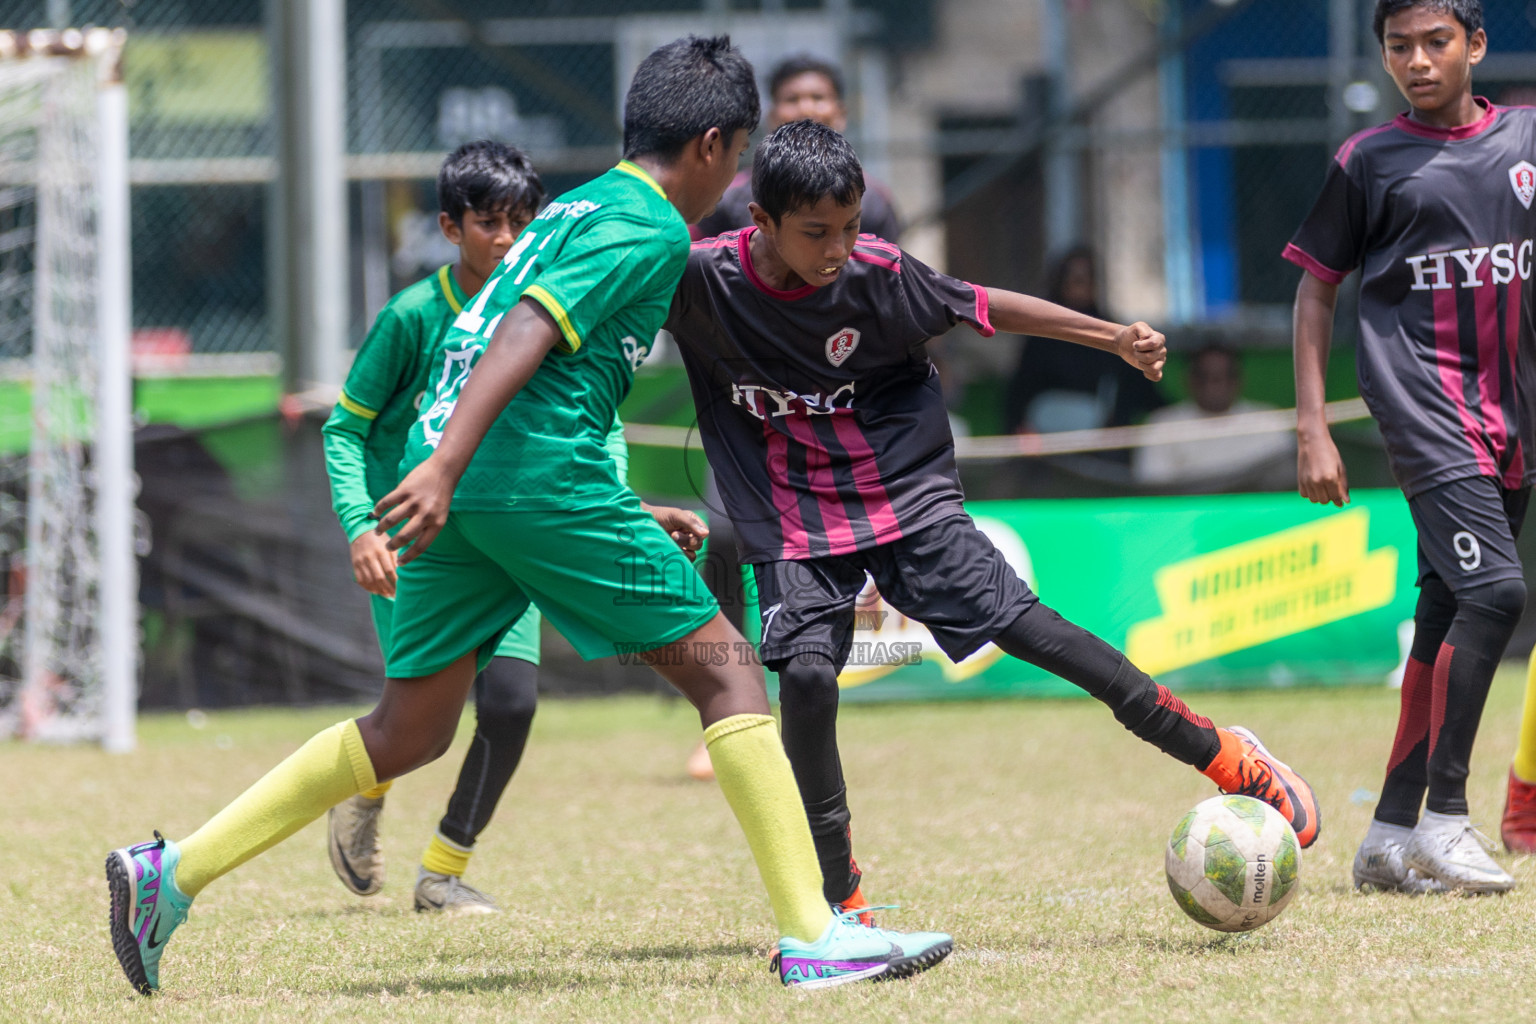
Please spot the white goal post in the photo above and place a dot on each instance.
(69, 622)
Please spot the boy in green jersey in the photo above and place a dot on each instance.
(554, 337)
(487, 193)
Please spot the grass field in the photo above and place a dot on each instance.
(1032, 831)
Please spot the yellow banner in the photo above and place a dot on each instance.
(1262, 590)
(198, 77)
(885, 640)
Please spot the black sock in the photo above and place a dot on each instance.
(1402, 793)
(808, 712)
(1485, 619)
(1042, 637)
(506, 694)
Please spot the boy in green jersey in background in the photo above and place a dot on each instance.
(541, 515)
(487, 193)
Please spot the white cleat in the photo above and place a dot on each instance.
(447, 894)
(1447, 848)
(354, 843)
(1379, 862)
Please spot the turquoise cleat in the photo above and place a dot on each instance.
(848, 951)
(146, 907)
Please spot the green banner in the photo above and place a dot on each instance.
(1215, 592)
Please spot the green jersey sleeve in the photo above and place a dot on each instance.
(618, 448)
(346, 435)
(384, 364)
(599, 271)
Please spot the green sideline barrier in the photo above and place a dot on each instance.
(1205, 593)
(190, 402)
(660, 395)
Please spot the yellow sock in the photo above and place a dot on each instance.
(1525, 752)
(757, 782)
(445, 857)
(322, 773)
(377, 791)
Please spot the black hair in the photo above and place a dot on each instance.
(1217, 348)
(1056, 285)
(804, 64)
(1468, 12)
(802, 163)
(488, 176)
(684, 89)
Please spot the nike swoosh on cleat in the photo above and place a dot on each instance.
(357, 880)
(157, 940)
(1297, 807)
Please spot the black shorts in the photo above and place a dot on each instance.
(1467, 530)
(948, 576)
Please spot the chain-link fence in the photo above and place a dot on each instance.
(201, 141)
(246, 594)
(1197, 133)
(1183, 139)
(422, 77)
(1236, 103)
(1271, 92)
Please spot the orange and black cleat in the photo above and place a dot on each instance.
(1519, 828)
(1245, 767)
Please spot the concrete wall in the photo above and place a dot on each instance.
(983, 52)
(1124, 184)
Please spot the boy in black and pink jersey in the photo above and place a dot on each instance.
(1435, 209)
(822, 417)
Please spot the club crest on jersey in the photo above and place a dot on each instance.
(841, 345)
(1522, 177)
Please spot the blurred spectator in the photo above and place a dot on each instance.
(803, 88)
(1221, 463)
(1062, 386)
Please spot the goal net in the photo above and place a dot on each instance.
(68, 580)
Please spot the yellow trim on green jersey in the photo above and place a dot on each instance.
(629, 167)
(450, 288)
(355, 408)
(539, 294)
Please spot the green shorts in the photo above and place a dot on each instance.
(608, 578)
(521, 641)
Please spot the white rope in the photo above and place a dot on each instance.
(1006, 446)
(1072, 442)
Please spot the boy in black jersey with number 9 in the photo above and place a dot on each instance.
(822, 418)
(1435, 209)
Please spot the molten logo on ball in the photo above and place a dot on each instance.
(1232, 863)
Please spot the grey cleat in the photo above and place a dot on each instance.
(447, 894)
(1379, 862)
(1447, 848)
(354, 844)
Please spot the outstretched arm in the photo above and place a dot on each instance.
(1138, 344)
(1319, 470)
(522, 340)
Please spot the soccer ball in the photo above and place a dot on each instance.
(1232, 863)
